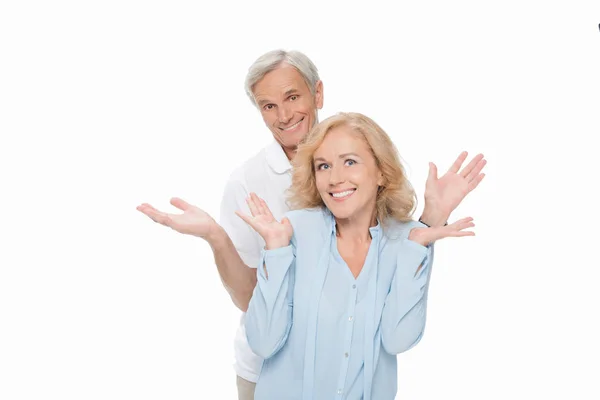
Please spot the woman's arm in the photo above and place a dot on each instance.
(404, 311)
(269, 315)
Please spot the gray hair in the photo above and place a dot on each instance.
(273, 59)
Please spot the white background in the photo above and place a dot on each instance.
(105, 105)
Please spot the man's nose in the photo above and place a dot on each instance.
(284, 114)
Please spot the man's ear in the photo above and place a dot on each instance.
(319, 95)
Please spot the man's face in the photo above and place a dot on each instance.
(287, 106)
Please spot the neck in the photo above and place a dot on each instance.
(290, 153)
(356, 229)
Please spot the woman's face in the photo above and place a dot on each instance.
(346, 173)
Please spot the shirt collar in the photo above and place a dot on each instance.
(277, 159)
(374, 230)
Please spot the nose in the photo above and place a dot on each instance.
(336, 176)
(284, 114)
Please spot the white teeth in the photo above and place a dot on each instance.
(342, 194)
(293, 126)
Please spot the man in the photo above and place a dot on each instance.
(287, 90)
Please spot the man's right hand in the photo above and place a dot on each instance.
(193, 221)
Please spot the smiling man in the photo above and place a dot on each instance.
(286, 88)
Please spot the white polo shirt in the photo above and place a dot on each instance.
(268, 174)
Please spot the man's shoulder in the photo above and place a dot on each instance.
(250, 167)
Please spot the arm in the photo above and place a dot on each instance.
(404, 311)
(238, 278)
(269, 315)
(235, 246)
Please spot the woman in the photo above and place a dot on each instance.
(342, 286)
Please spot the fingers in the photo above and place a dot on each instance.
(463, 223)
(245, 217)
(475, 182)
(260, 204)
(432, 172)
(252, 205)
(157, 216)
(457, 229)
(462, 233)
(470, 166)
(459, 161)
(181, 204)
(476, 168)
(266, 209)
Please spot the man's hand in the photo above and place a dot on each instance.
(443, 195)
(193, 221)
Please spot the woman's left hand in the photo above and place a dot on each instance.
(426, 236)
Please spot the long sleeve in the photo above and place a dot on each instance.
(269, 315)
(404, 312)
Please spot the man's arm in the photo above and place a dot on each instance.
(238, 278)
(235, 246)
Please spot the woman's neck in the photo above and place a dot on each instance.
(356, 229)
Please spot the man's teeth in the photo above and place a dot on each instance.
(293, 126)
(343, 194)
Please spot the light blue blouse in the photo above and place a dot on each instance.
(323, 333)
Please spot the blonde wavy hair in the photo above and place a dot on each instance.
(396, 198)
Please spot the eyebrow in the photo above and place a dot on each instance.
(341, 156)
(263, 102)
(349, 154)
(286, 94)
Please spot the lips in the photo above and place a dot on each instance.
(291, 128)
(342, 195)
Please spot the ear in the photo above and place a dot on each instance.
(380, 179)
(319, 95)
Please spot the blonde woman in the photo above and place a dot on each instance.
(343, 279)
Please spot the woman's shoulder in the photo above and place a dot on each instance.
(395, 229)
(309, 218)
(310, 222)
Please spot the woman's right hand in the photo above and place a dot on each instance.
(276, 234)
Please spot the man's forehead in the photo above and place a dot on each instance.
(282, 81)
(276, 91)
(270, 92)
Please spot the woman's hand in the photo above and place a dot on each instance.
(276, 234)
(426, 236)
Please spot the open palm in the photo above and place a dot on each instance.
(276, 234)
(193, 221)
(426, 236)
(446, 193)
